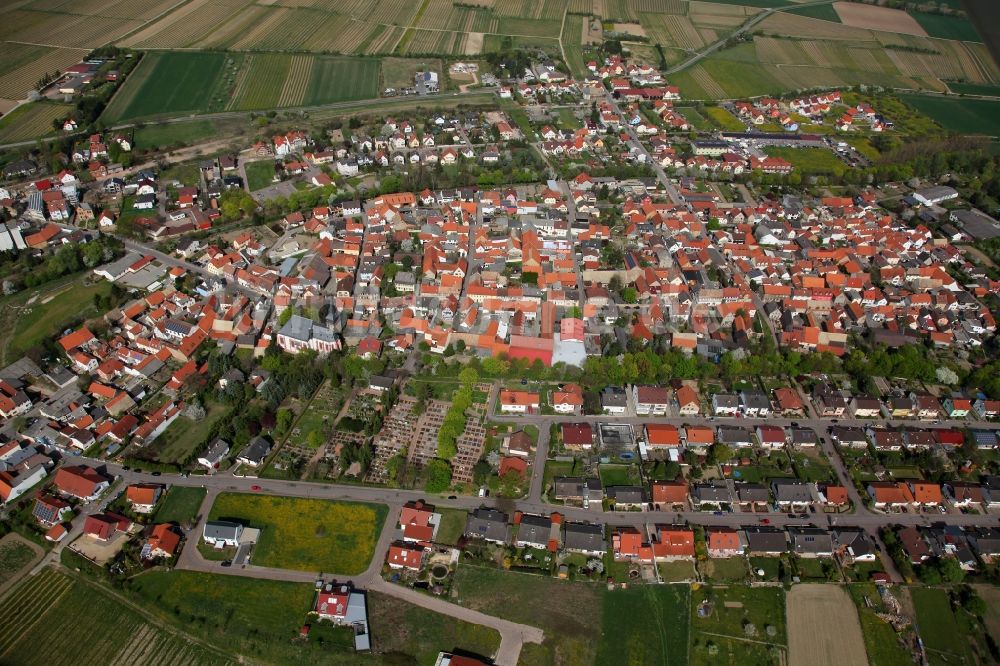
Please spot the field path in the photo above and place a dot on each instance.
(823, 627)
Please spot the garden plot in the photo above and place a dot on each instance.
(823, 627)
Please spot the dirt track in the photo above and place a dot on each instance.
(823, 627)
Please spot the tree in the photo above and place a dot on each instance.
(438, 476)
(630, 294)
(285, 315)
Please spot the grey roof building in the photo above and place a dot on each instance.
(734, 436)
(584, 538)
(811, 541)
(856, 543)
(752, 492)
(627, 494)
(576, 488)
(792, 491)
(222, 532)
(534, 531)
(765, 540)
(714, 492)
(488, 524)
(255, 452)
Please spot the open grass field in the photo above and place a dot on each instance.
(823, 629)
(645, 624)
(947, 27)
(307, 534)
(974, 89)
(103, 629)
(180, 505)
(155, 137)
(639, 625)
(950, 636)
(452, 525)
(14, 556)
(185, 437)
(881, 643)
(810, 161)
(723, 119)
(966, 116)
(824, 12)
(170, 84)
(260, 620)
(54, 308)
(400, 627)
(259, 174)
(31, 120)
(720, 637)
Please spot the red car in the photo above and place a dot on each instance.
(255, 488)
(765, 521)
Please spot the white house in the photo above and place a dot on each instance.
(220, 533)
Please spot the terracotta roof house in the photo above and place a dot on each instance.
(626, 543)
(688, 403)
(143, 496)
(890, 494)
(926, 494)
(577, 435)
(789, 401)
(662, 435)
(699, 436)
(674, 542)
(723, 542)
(80, 481)
(405, 556)
(513, 464)
(568, 400)
(162, 542)
(104, 526)
(518, 402)
(835, 495)
(669, 492)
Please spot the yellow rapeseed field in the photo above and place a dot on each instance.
(306, 534)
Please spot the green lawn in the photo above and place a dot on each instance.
(56, 306)
(170, 83)
(307, 534)
(103, 631)
(317, 418)
(694, 117)
(966, 116)
(809, 161)
(555, 469)
(188, 174)
(185, 438)
(725, 569)
(259, 174)
(770, 565)
(618, 475)
(881, 642)
(676, 571)
(452, 526)
(180, 505)
(974, 89)
(947, 27)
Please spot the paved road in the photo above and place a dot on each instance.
(535, 488)
(661, 175)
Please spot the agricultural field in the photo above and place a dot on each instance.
(181, 505)
(21, 66)
(172, 84)
(947, 27)
(966, 116)
(645, 624)
(723, 119)
(103, 629)
(30, 121)
(823, 627)
(733, 626)
(307, 534)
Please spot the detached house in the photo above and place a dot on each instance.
(518, 402)
(651, 400)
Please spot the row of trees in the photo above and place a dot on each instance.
(454, 419)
